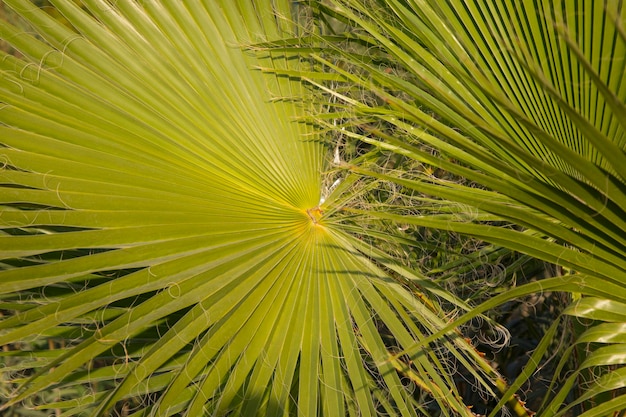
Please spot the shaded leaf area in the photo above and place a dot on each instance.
(163, 249)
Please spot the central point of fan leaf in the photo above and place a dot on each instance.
(315, 214)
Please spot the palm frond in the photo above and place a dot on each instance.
(525, 102)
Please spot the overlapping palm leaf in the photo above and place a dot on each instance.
(527, 100)
(162, 248)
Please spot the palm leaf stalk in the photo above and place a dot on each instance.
(163, 248)
(526, 99)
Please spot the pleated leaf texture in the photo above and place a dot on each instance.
(162, 248)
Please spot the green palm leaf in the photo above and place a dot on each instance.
(525, 99)
(162, 247)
